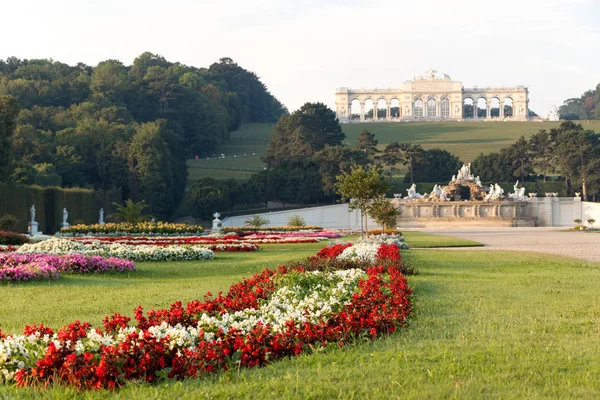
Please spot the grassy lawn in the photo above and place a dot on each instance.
(428, 240)
(484, 324)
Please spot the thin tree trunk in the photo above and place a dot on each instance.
(584, 190)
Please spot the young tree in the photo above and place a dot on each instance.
(383, 212)
(361, 187)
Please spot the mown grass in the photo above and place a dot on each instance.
(427, 240)
(484, 325)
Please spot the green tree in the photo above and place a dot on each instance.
(300, 135)
(9, 109)
(332, 160)
(361, 187)
(578, 155)
(205, 197)
(542, 152)
(367, 144)
(435, 165)
(150, 166)
(521, 155)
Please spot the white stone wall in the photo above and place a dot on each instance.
(550, 211)
(334, 216)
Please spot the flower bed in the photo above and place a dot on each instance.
(25, 267)
(142, 229)
(194, 240)
(12, 238)
(7, 248)
(129, 252)
(240, 230)
(272, 315)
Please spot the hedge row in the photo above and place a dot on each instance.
(82, 204)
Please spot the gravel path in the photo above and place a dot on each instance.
(581, 245)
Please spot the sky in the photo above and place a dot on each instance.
(304, 49)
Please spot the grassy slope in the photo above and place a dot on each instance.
(485, 324)
(465, 139)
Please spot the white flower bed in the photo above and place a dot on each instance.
(361, 252)
(291, 302)
(384, 239)
(135, 253)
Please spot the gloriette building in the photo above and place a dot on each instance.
(432, 98)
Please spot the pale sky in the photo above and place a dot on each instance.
(303, 49)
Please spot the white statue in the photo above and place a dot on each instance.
(431, 74)
(532, 195)
(101, 217)
(216, 226)
(32, 225)
(519, 193)
(495, 192)
(412, 193)
(464, 173)
(447, 77)
(554, 115)
(478, 181)
(65, 224)
(438, 193)
(453, 178)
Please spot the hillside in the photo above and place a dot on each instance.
(465, 139)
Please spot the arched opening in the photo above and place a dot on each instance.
(395, 108)
(468, 108)
(431, 107)
(508, 107)
(445, 108)
(495, 107)
(381, 109)
(369, 109)
(355, 109)
(418, 112)
(482, 107)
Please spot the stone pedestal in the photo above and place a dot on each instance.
(64, 225)
(464, 213)
(216, 224)
(33, 228)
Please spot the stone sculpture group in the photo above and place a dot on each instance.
(464, 178)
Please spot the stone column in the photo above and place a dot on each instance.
(388, 114)
(362, 111)
(437, 109)
(474, 110)
(488, 110)
(502, 110)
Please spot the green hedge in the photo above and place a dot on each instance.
(82, 205)
(530, 187)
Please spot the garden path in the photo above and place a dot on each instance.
(582, 245)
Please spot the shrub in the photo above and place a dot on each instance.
(12, 238)
(385, 231)
(256, 221)
(8, 222)
(296, 220)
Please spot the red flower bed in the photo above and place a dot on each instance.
(379, 305)
(333, 251)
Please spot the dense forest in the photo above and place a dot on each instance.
(580, 108)
(123, 128)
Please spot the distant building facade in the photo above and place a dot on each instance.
(432, 98)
